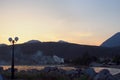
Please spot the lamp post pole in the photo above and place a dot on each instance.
(12, 62)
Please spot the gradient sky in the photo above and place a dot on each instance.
(78, 21)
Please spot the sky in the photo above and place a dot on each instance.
(88, 22)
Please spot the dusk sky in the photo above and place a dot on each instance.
(78, 21)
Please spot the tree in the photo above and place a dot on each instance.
(116, 59)
(86, 59)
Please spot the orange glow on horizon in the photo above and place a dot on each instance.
(22, 40)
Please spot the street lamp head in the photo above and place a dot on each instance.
(10, 39)
(16, 39)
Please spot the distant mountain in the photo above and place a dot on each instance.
(33, 41)
(35, 52)
(113, 41)
(1, 45)
(61, 41)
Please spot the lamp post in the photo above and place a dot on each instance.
(13, 41)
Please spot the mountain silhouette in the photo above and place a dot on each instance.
(33, 41)
(113, 41)
(25, 53)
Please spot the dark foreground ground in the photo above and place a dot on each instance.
(54, 73)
